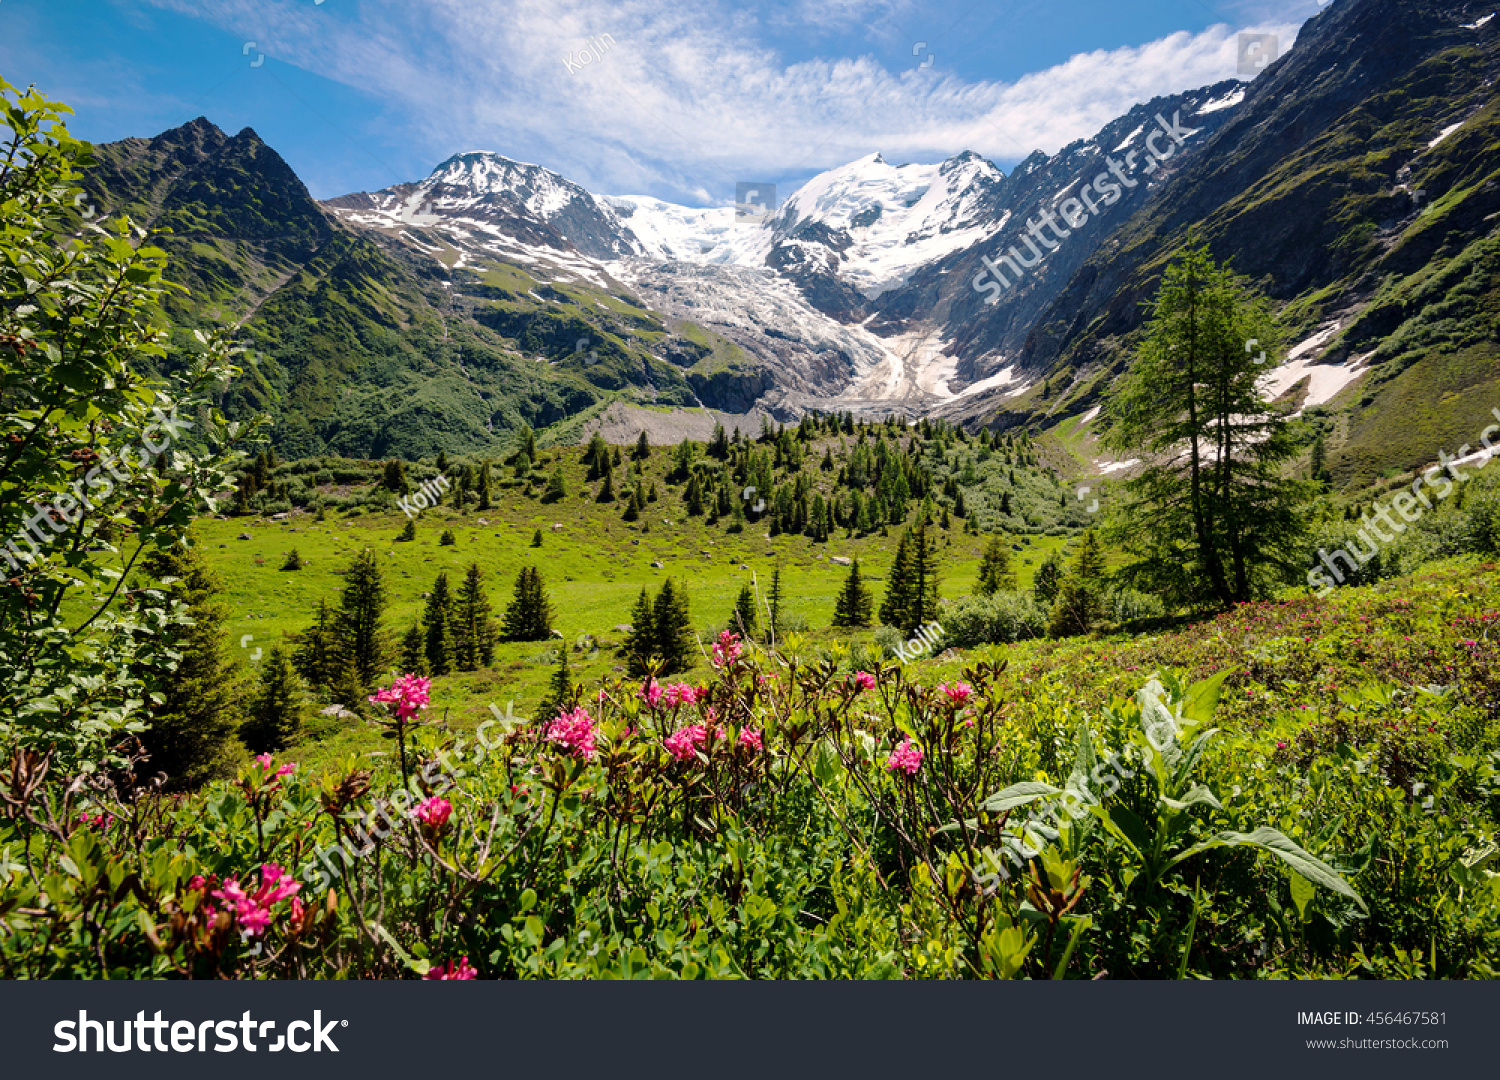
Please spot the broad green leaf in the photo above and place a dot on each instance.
(1018, 795)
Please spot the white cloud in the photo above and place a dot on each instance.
(687, 99)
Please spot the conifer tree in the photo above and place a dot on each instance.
(640, 643)
(912, 589)
(607, 489)
(744, 619)
(437, 627)
(473, 626)
(596, 457)
(414, 651)
(693, 497)
(529, 616)
(560, 689)
(855, 605)
(557, 487)
(995, 573)
(642, 446)
(394, 477)
(191, 737)
(315, 656)
(1080, 602)
(675, 640)
(482, 485)
(276, 711)
(536, 538)
(1047, 581)
(773, 599)
(358, 629)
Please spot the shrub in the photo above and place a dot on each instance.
(1000, 619)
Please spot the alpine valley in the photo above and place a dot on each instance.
(1356, 180)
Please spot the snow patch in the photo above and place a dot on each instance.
(1107, 467)
(1130, 138)
(1480, 23)
(1449, 130)
(1227, 102)
(1086, 417)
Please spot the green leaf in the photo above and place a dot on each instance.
(1018, 795)
(1284, 848)
(1203, 697)
(1302, 894)
(1198, 796)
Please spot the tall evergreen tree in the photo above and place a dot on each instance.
(414, 651)
(276, 711)
(1213, 510)
(675, 640)
(1048, 580)
(437, 627)
(596, 457)
(640, 643)
(911, 598)
(995, 573)
(1080, 602)
(191, 737)
(642, 446)
(529, 616)
(560, 689)
(855, 606)
(773, 599)
(316, 654)
(557, 486)
(358, 627)
(744, 618)
(482, 484)
(473, 626)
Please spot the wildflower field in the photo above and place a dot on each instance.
(1305, 788)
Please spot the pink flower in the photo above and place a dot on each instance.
(287, 769)
(958, 692)
(408, 693)
(907, 758)
(1280, 745)
(264, 759)
(685, 694)
(651, 693)
(864, 680)
(575, 732)
(433, 813)
(448, 971)
(253, 910)
(751, 738)
(727, 649)
(684, 742)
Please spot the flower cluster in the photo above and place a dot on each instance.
(727, 649)
(433, 813)
(264, 760)
(685, 741)
(685, 694)
(461, 971)
(958, 692)
(650, 692)
(408, 694)
(98, 821)
(907, 758)
(576, 732)
(253, 910)
(863, 680)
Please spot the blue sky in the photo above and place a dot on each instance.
(691, 96)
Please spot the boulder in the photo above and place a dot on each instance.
(841, 560)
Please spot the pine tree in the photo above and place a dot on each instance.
(437, 627)
(482, 485)
(607, 489)
(1080, 603)
(408, 532)
(1320, 474)
(773, 599)
(529, 616)
(473, 627)
(315, 656)
(855, 604)
(744, 618)
(191, 737)
(640, 643)
(995, 573)
(560, 689)
(293, 561)
(557, 487)
(675, 640)
(596, 457)
(912, 588)
(394, 477)
(414, 651)
(276, 711)
(642, 446)
(536, 538)
(358, 629)
(1048, 580)
(693, 497)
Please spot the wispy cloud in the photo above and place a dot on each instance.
(690, 97)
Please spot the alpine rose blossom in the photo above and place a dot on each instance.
(727, 649)
(651, 693)
(907, 758)
(575, 732)
(253, 910)
(684, 742)
(751, 738)
(864, 680)
(433, 813)
(409, 695)
(461, 972)
(957, 692)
